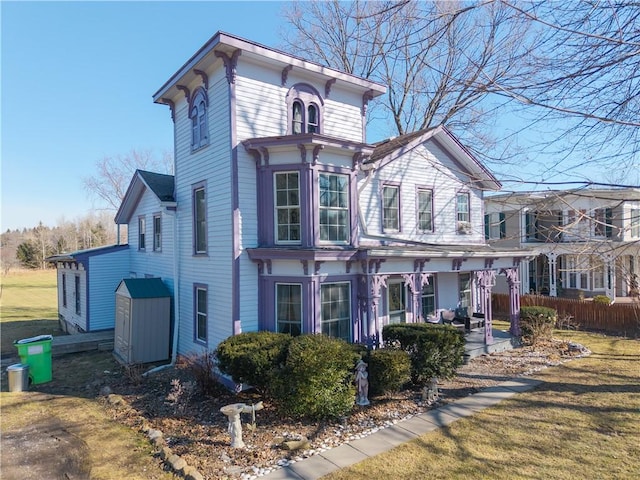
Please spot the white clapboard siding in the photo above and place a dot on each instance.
(429, 167)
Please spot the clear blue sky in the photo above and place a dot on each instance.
(77, 80)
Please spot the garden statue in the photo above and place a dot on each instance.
(233, 412)
(362, 384)
(430, 392)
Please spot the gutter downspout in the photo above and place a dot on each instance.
(176, 298)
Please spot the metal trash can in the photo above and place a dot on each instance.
(36, 352)
(18, 374)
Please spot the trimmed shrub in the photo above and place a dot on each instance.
(601, 300)
(434, 350)
(389, 370)
(253, 357)
(316, 381)
(537, 323)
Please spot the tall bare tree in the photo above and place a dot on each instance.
(113, 175)
(439, 60)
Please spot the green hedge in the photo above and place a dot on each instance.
(253, 358)
(602, 300)
(434, 350)
(537, 323)
(317, 378)
(389, 370)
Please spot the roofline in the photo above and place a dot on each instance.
(75, 256)
(222, 38)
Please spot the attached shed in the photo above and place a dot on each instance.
(143, 321)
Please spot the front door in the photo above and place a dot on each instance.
(396, 300)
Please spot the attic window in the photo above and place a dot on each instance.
(304, 105)
(198, 116)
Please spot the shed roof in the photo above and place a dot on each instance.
(145, 287)
(82, 255)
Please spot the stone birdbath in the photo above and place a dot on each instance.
(233, 412)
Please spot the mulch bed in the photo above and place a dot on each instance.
(195, 429)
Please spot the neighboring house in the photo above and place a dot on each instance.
(87, 280)
(285, 218)
(588, 240)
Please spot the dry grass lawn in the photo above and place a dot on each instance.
(28, 306)
(583, 422)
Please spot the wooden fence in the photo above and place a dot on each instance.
(622, 318)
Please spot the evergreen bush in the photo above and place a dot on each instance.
(434, 350)
(601, 300)
(253, 358)
(317, 378)
(389, 370)
(537, 323)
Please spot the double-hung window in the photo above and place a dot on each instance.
(495, 226)
(425, 210)
(635, 222)
(77, 294)
(464, 289)
(334, 208)
(289, 308)
(157, 233)
(201, 313)
(428, 299)
(198, 116)
(335, 310)
(462, 213)
(142, 227)
(287, 204)
(199, 221)
(391, 207)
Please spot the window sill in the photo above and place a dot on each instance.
(201, 255)
(197, 149)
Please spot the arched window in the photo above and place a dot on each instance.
(198, 115)
(304, 105)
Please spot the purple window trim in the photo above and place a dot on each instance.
(421, 189)
(468, 195)
(352, 298)
(276, 208)
(196, 288)
(306, 95)
(396, 185)
(195, 188)
(157, 246)
(64, 290)
(316, 206)
(142, 233)
(199, 99)
(310, 289)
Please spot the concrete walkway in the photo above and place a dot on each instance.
(385, 439)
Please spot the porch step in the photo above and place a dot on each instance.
(475, 346)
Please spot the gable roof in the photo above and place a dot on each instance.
(144, 287)
(160, 184)
(393, 148)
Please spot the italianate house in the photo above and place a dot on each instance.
(588, 240)
(284, 217)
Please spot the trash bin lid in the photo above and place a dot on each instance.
(18, 366)
(38, 338)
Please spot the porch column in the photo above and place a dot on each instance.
(513, 280)
(414, 294)
(610, 276)
(553, 262)
(486, 281)
(370, 300)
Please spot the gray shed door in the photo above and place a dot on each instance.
(123, 327)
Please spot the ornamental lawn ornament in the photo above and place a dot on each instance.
(362, 384)
(233, 412)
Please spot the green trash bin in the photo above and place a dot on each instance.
(36, 352)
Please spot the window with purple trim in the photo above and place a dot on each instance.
(198, 116)
(157, 233)
(391, 207)
(287, 205)
(77, 294)
(201, 313)
(334, 208)
(335, 310)
(199, 221)
(464, 289)
(425, 210)
(289, 308)
(428, 296)
(64, 290)
(142, 227)
(305, 110)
